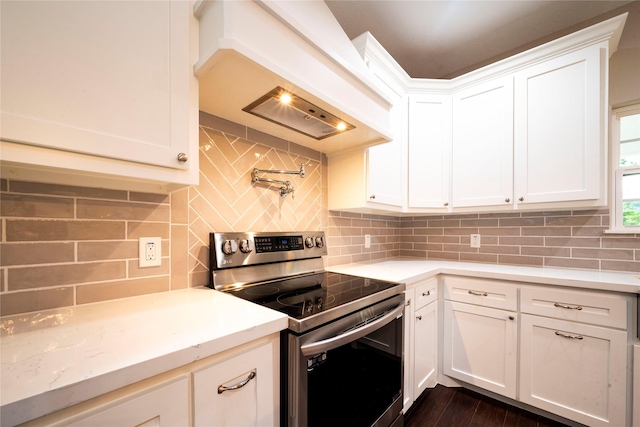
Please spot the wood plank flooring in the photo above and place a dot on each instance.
(458, 407)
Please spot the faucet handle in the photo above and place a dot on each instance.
(303, 172)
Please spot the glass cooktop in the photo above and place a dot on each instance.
(303, 296)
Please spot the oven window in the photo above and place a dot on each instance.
(356, 383)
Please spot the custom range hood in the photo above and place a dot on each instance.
(252, 52)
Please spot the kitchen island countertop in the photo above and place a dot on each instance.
(56, 358)
(411, 270)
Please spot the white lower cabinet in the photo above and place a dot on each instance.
(574, 370)
(240, 391)
(421, 340)
(573, 346)
(573, 354)
(636, 385)
(237, 387)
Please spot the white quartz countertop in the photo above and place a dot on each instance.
(410, 270)
(55, 358)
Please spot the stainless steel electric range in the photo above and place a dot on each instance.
(342, 353)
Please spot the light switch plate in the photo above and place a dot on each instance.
(149, 251)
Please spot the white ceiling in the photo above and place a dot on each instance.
(442, 39)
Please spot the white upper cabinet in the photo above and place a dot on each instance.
(104, 88)
(483, 144)
(560, 128)
(527, 132)
(373, 179)
(385, 161)
(429, 154)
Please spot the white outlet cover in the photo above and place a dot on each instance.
(149, 251)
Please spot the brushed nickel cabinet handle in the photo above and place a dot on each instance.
(182, 157)
(568, 307)
(408, 303)
(419, 317)
(426, 294)
(571, 337)
(480, 294)
(507, 200)
(521, 199)
(373, 196)
(222, 388)
(446, 203)
(511, 318)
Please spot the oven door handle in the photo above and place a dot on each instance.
(345, 338)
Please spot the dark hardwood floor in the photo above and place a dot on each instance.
(457, 407)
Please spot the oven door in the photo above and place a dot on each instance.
(348, 372)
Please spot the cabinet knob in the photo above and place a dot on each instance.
(373, 196)
(419, 317)
(182, 157)
(426, 294)
(521, 199)
(408, 303)
(511, 318)
(446, 203)
(507, 200)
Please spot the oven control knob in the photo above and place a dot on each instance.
(319, 242)
(229, 247)
(319, 303)
(309, 242)
(309, 307)
(246, 246)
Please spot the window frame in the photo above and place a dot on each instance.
(618, 171)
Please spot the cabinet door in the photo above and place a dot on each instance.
(407, 388)
(385, 161)
(166, 405)
(574, 370)
(480, 347)
(560, 128)
(109, 78)
(483, 144)
(254, 399)
(425, 348)
(429, 156)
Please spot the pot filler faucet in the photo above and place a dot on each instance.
(286, 185)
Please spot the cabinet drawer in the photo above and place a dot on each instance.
(240, 391)
(587, 307)
(488, 293)
(426, 293)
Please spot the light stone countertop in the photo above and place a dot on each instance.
(55, 358)
(411, 270)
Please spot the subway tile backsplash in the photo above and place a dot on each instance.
(66, 245)
(565, 239)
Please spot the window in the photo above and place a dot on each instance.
(625, 208)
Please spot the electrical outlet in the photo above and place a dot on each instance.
(149, 251)
(367, 241)
(475, 240)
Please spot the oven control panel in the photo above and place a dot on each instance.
(228, 250)
(278, 243)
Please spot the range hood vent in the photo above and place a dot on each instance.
(286, 109)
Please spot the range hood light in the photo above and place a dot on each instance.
(285, 98)
(291, 111)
